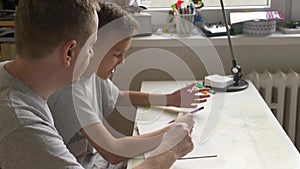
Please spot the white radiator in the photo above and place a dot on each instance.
(281, 92)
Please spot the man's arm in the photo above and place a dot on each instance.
(161, 161)
(176, 143)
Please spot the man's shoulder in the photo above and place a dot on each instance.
(5, 77)
(18, 112)
(39, 140)
(8, 121)
(20, 107)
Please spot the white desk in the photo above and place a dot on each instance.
(248, 135)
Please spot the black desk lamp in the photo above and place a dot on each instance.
(239, 83)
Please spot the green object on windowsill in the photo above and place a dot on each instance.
(292, 24)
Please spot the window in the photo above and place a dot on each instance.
(295, 15)
(285, 6)
(210, 3)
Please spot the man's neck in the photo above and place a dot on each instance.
(36, 76)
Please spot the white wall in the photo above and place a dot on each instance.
(250, 57)
(295, 12)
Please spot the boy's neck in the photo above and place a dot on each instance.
(37, 76)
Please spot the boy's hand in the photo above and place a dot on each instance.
(187, 118)
(186, 96)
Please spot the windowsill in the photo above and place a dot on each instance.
(172, 40)
(166, 9)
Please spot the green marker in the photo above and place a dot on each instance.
(202, 86)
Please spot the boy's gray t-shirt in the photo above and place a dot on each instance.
(78, 105)
(28, 138)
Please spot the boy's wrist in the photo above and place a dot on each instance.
(170, 100)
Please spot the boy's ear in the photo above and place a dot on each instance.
(68, 52)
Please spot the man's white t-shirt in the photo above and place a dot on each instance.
(78, 105)
(28, 138)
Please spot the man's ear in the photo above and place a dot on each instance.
(68, 52)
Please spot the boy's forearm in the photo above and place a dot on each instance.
(97, 135)
(142, 99)
(154, 133)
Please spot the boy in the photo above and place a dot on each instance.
(93, 97)
(47, 58)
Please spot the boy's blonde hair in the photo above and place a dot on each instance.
(110, 12)
(41, 25)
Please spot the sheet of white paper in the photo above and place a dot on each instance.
(200, 150)
(237, 17)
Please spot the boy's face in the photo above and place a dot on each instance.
(113, 58)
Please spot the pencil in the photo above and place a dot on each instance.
(194, 111)
(198, 109)
(208, 156)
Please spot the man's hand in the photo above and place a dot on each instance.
(176, 140)
(184, 147)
